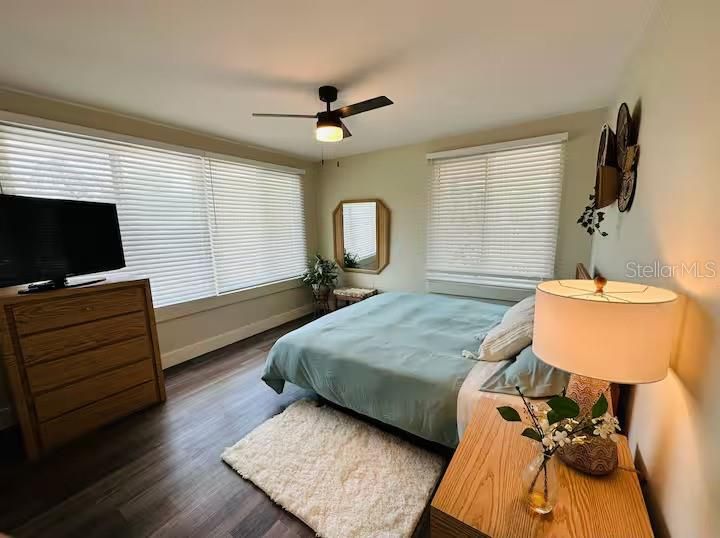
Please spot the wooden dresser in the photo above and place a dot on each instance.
(78, 358)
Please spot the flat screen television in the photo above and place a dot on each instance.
(44, 239)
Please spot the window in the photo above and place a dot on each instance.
(197, 225)
(258, 224)
(494, 213)
(359, 231)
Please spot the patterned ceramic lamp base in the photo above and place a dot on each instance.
(598, 456)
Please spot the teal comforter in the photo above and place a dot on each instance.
(395, 357)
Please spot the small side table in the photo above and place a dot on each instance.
(481, 492)
(352, 295)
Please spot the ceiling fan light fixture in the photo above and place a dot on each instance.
(330, 127)
(329, 130)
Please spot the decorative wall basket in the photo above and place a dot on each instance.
(616, 171)
(607, 175)
(627, 156)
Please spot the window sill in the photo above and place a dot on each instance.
(480, 291)
(181, 310)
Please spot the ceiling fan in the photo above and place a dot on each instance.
(330, 127)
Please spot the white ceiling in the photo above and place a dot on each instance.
(450, 66)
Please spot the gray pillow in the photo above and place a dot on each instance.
(535, 378)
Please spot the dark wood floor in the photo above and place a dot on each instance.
(159, 472)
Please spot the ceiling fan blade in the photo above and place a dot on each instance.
(363, 106)
(258, 115)
(346, 131)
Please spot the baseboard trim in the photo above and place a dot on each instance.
(196, 349)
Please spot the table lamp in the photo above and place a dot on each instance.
(602, 332)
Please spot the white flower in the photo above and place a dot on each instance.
(579, 440)
(606, 426)
(569, 424)
(548, 442)
(544, 425)
(560, 437)
(539, 410)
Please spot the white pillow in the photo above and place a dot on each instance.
(511, 336)
(521, 310)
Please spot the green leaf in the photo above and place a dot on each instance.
(532, 434)
(564, 406)
(600, 407)
(553, 417)
(509, 413)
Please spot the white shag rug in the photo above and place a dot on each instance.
(342, 477)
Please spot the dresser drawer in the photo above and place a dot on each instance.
(78, 338)
(71, 425)
(59, 401)
(45, 376)
(33, 317)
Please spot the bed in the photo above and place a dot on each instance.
(395, 357)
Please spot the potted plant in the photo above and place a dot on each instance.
(553, 425)
(591, 219)
(350, 260)
(321, 275)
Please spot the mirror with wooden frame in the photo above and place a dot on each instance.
(362, 235)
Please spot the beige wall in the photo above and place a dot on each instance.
(400, 177)
(674, 80)
(216, 321)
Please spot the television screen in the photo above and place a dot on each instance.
(47, 239)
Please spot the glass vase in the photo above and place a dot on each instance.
(540, 485)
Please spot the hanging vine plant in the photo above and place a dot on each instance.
(591, 218)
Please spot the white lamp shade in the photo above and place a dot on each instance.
(624, 334)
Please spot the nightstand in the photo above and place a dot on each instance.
(481, 492)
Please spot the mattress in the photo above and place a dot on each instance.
(395, 357)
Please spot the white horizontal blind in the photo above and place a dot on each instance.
(163, 220)
(359, 229)
(257, 222)
(165, 208)
(494, 216)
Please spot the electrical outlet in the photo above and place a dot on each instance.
(6, 418)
